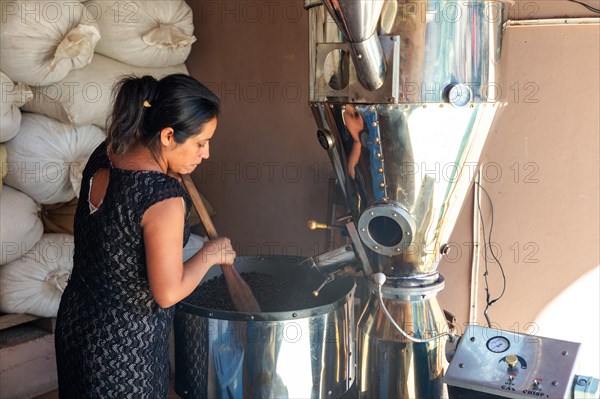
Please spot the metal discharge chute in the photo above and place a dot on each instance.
(404, 94)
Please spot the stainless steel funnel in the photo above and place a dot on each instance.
(406, 152)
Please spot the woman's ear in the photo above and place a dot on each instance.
(167, 137)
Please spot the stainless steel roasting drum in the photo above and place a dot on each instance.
(300, 353)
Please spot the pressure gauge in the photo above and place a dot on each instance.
(458, 95)
(498, 344)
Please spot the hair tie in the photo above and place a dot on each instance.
(147, 104)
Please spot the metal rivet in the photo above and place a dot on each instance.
(360, 56)
(376, 139)
(363, 229)
(378, 155)
(294, 314)
(555, 383)
(406, 106)
(375, 123)
(380, 170)
(372, 108)
(375, 247)
(395, 214)
(398, 250)
(389, 107)
(461, 365)
(371, 213)
(565, 353)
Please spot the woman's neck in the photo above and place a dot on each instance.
(138, 158)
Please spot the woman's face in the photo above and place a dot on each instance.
(183, 158)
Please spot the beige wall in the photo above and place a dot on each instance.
(545, 145)
(541, 168)
(528, 9)
(267, 174)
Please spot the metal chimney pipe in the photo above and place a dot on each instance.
(357, 20)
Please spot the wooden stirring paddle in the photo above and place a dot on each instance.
(241, 295)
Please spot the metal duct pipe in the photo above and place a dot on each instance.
(357, 20)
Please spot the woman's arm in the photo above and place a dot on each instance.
(170, 279)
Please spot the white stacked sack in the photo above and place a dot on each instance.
(84, 96)
(35, 282)
(21, 227)
(12, 96)
(3, 165)
(156, 33)
(46, 158)
(41, 41)
(70, 54)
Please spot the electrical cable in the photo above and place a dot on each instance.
(379, 279)
(589, 7)
(489, 302)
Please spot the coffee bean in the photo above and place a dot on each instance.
(273, 293)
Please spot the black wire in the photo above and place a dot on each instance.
(589, 7)
(485, 275)
(489, 302)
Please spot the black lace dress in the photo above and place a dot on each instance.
(111, 335)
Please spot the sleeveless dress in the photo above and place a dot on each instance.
(111, 336)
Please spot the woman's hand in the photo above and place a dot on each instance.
(218, 252)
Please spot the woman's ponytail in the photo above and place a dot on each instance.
(133, 97)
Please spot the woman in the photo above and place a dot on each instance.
(130, 228)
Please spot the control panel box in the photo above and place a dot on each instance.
(513, 365)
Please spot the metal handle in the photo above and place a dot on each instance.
(314, 225)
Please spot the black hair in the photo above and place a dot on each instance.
(143, 106)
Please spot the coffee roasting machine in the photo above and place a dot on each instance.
(404, 94)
